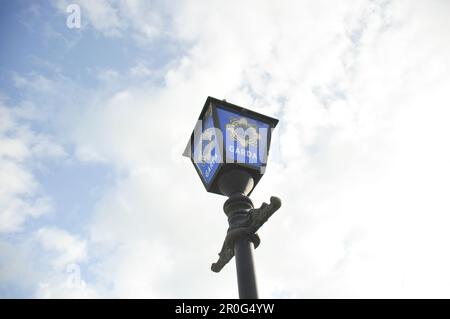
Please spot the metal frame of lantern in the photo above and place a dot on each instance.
(225, 166)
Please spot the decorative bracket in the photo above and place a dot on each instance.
(256, 218)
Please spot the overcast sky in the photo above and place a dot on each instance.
(97, 201)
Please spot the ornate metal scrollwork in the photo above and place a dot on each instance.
(256, 217)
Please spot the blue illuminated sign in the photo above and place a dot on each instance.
(229, 137)
(206, 150)
(245, 138)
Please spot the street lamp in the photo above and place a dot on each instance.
(229, 148)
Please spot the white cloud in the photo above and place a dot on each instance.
(48, 264)
(351, 85)
(359, 157)
(102, 15)
(107, 75)
(20, 196)
(34, 81)
(68, 248)
(141, 70)
(15, 269)
(139, 19)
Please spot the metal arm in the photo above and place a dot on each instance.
(256, 218)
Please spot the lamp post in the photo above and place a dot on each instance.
(229, 148)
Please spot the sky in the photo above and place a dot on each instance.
(96, 200)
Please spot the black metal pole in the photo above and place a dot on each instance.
(237, 209)
(244, 220)
(245, 269)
